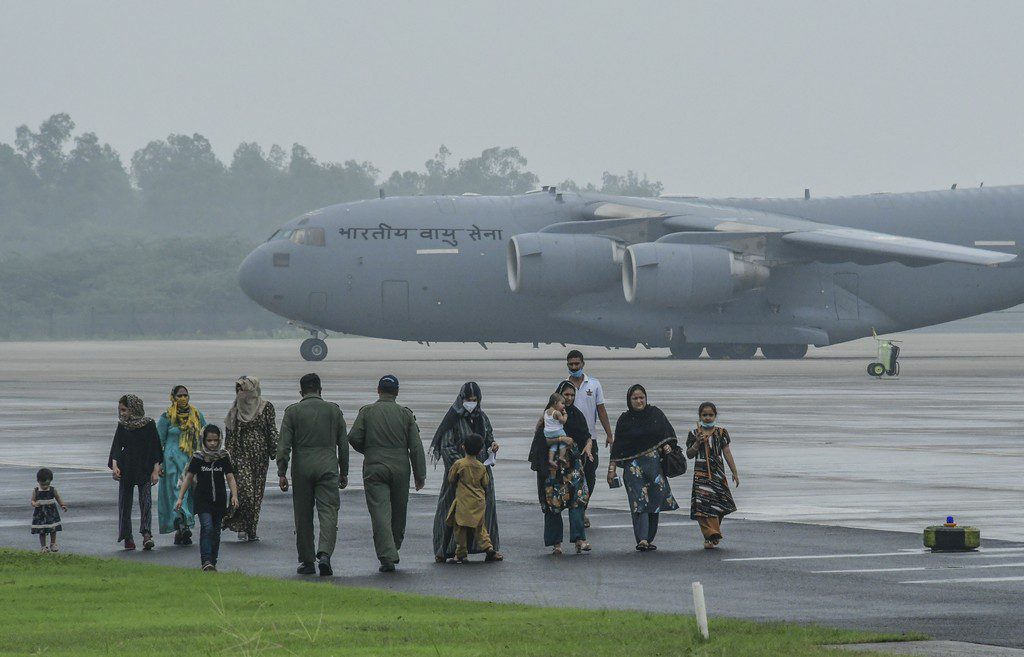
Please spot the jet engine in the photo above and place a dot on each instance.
(541, 262)
(685, 275)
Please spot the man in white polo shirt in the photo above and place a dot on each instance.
(590, 401)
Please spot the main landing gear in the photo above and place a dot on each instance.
(736, 351)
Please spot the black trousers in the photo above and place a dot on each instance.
(125, 495)
(590, 471)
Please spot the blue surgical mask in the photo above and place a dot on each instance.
(469, 406)
(708, 425)
(576, 375)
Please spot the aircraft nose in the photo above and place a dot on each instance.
(249, 276)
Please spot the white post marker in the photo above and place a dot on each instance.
(700, 609)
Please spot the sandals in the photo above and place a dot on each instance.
(582, 546)
(710, 545)
(642, 546)
(44, 550)
(651, 547)
(438, 559)
(494, 555)
(458, 561)
(557, 551)
(147, 543)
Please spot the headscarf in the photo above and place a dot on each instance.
(187, 421)
(638, 432)
(211, 455)
(249, 402)
(455, 413)
(136, 413)
(575, 425)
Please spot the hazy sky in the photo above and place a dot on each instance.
(715, 98)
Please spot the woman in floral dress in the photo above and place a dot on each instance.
(251, 440)
(642, 433)
(565, 488)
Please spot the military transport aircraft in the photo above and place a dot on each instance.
(726, 275)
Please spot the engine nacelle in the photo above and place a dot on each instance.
(542, 262)
(685, 275)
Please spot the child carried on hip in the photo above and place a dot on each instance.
(555, 418)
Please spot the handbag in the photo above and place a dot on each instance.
(673, 463)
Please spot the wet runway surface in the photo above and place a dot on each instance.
(816, 441)
(763, 570)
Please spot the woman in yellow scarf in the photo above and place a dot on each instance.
(179, 429)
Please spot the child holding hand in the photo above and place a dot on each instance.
(466, 515)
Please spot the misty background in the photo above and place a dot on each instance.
(144, 150)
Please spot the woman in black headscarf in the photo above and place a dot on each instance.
(567, 487)
(463, 418)
(642, 433)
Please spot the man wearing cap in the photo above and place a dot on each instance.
(387, 436)
(313, 439)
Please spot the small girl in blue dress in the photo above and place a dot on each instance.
(45, 516)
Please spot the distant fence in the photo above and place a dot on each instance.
(130, 322)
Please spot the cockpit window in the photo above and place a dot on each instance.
(304, 236)
(281, 235)
(309, 236)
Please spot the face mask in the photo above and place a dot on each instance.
(576, 375)
(469, 406)
(708, 425)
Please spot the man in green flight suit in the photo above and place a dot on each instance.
(389, 439)
(313, 436)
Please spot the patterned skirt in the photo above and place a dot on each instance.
(711, 496)
(46, 517)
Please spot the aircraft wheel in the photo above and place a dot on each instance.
(733, 351)
(876, 369)
(784, 351)
(685, 350)
(313, 349)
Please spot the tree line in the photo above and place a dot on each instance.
(59, 189)
(92, 245)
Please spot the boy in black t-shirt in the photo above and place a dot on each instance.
(209, 468)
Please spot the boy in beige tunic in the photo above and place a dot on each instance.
(469, 478)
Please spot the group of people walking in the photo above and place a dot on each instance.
(180, 449)
(197, 472)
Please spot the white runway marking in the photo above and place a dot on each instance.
(906, 552)
(965, 580)
(902, 553)
(915, 568)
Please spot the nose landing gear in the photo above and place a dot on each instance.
(313, 348)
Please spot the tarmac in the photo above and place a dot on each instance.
(824, 452)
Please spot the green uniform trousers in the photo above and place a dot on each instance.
(320, 490)
(387, 498)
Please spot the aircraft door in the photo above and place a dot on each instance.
(394, 299)
(846, 293)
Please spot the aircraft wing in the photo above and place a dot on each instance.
(895, 247)
(767, 234)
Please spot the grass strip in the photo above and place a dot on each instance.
(66, 604)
